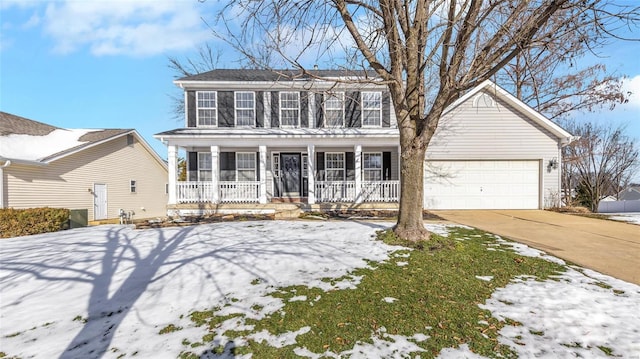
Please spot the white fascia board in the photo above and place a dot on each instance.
(279, 85)
(504, 95)
(22, 162)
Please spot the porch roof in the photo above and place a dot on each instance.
(280, 136)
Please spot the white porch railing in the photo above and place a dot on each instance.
(193, 192)
(240, 191)
(380, 191)
(202, 191)
(335, 191)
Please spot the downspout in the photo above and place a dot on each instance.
(6, 163)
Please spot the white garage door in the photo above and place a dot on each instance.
(482, 185)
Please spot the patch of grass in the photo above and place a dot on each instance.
(608, 351)
(79, 318)
(169, 329)
(537, 332)
(437, 295)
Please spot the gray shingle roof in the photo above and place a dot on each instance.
(273, 75)
(90, 138)
(12, 124)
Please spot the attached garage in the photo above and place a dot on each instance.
(482, 184)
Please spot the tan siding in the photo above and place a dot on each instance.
(67, 182)
(495, 133)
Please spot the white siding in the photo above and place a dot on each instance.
(68, 182)
(497, 132)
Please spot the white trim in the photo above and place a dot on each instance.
(263, 174)
(302, 85)
(362, 109)
(344, 166)
(280, 108)
(324, 108)
(198, 108)
(381, 169)
(236, 108)
(311, 178)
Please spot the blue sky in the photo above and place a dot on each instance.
(104, 64)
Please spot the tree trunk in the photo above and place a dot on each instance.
(410, 225)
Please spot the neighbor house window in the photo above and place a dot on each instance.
(372, 109)
(334, 166)
(289, 109)
(372, 166)
(132, 186)
(246, 166)
(207, 108)
(334, 109)
(204, 166)
(245, 109)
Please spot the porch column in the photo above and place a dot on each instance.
(400, 172)
(215, 174)
(358, 168)
(311, 174)
(172, 159)
(263, 174)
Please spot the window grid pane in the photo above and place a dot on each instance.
(334, 166)
(204, 166)
(334, 109)
(289, 108)
(372, 166)
(372, 108)
(206, 105)
(245, 108)
(246, 166)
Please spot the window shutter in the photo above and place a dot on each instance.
(191, 109)
(257, 166)
(386, 165)
(304, 109)
(353, 109)
(386, 109)
(226, 109)
(320, 166)
(275, 109)
(192, 166)
(227, 166)
(259, 109)
(319, 110)
(350, 166)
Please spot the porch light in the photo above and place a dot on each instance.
(553, 164)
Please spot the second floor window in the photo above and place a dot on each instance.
(289, 109)
(334, 166)
(204, 166)
(371, 109)
(245, 109)
(246, 166)
(334, 109)
(207, 108)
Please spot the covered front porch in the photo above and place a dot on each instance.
(286, 174)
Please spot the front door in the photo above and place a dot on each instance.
(290, 163)
(99, 201)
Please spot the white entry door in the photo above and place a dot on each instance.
(99, 201)
(482, 185)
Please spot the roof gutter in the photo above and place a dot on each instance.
(6, 164)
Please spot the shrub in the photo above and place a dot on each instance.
(20, 222)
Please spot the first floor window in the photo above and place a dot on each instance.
(289, 109)
(372, 166)
(372, 109)
(246, 166)
(245, 109)
(207, 108)
(334, 166)
(204, 166)
(132, 186)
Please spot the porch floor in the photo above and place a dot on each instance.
(281, 210)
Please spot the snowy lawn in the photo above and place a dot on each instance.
(630, 217)
(301, 288)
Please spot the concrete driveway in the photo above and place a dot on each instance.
(608, 247)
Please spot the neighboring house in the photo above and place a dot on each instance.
(101, 170)
(256, 136)
(630, 194)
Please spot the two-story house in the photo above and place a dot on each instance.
(259, 136)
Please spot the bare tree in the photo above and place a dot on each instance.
(600, 163)
(428, 53)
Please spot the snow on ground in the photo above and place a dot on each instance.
(107, 291)
(631, 217)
